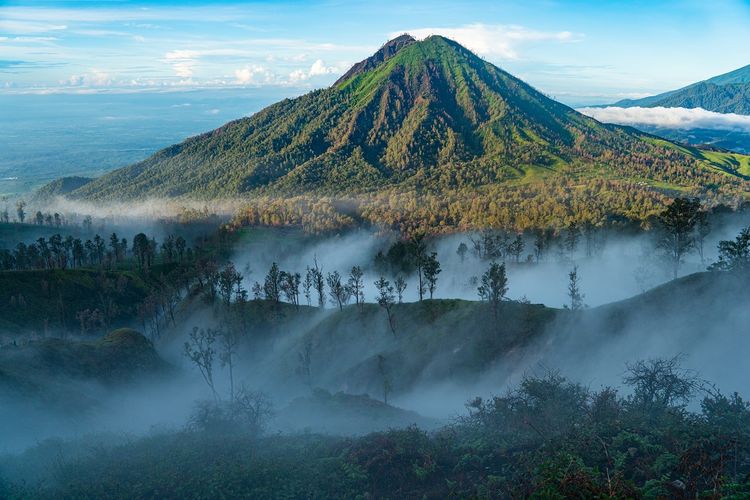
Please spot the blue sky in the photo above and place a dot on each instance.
(577, 51)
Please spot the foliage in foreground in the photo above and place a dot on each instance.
(549, 438)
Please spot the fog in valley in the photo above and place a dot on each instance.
(433, 358)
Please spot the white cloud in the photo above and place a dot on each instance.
(253, 74)
(183, 61)
(501, 41)
(28, 27)
(677, 118)
(318, 68)
(95, 78)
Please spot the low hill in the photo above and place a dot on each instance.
(727, 93)
(428, 119)
(460, 343)
(42, 302)
(56, 370)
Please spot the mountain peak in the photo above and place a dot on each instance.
(426, 114)
(388, 50)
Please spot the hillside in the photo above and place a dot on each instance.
(53, 370)
(727, 93)
(426, 117)
(60, 187)
(73, 300)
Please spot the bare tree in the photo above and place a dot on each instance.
(338, 291)
(229, 342)
(356, 285)
(307, 285)
(400, 285)
(659, 384)
(574, 290)
(386, 299)
(419, 252)
(199, 349)
(319, 283)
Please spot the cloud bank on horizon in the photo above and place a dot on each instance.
(672, 118)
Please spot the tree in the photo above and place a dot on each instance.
(229, 341)
(272, 284)
(319, 283)
(140, 249)
(515, 248)
(677, 230)
(702, 229)
(542, 242)
(229, 277)
(100, 246)
(494, 286)
(386, 299)
(387, 387)
(734, 255)
(572, 237)
(20, 212)
(199, 349)
(461, 251)
(307, 285)
(168, 248)
(290, 286)
(400, 285)
(660, 384)
(574, 290)
(180, 245)
(431, 269)
(356, 285)
(419, 253)
(338, 291)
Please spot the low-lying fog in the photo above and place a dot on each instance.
(611, 267)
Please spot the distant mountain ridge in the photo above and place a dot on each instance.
(727, 93)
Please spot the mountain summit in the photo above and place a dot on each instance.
(386, 52)
(427, 115)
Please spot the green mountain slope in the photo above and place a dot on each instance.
(60, 187)
(432, 118)
(727, 93)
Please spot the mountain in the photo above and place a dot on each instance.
(727, 93)
(426, 117)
